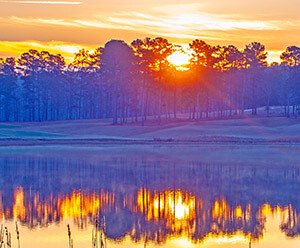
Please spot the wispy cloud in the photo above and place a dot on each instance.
(179, 23)
(43, 2)
(184, 25)
(16, 48)
(185, 22)
(70, 23)
(39, 21)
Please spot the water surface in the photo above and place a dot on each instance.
(189, 196)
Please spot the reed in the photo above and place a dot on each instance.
(18, 234)
(70, 237)
(98, 234)
(8, 238)
(1, 236)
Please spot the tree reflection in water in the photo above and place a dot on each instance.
(150, 200)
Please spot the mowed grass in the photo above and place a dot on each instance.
(17, 131)
(257, 127)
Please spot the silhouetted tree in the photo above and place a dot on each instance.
(256, 56)
(117, 66)
(122, 81)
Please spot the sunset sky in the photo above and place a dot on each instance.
(65, 26)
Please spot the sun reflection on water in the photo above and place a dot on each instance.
(178, 214)
(170, 205)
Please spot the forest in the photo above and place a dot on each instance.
(136, 82)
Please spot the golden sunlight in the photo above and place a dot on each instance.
(179, 59)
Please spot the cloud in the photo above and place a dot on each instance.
(43, 2)
(66, 49)
(42, 21)
(70, 23)
(185, 25)
(186, 22)
(180, 23)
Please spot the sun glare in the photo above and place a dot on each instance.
(179, 59)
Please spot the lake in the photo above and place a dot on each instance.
(150, 196)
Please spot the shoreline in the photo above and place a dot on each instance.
(217, 140)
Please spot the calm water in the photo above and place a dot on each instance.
(154, 197)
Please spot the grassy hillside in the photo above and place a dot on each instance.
(233, 130)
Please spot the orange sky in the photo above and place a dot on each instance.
(64, 26)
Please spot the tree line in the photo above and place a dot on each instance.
(135, 82)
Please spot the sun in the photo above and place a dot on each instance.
(179, 59)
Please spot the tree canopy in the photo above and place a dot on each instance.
(136, 82)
